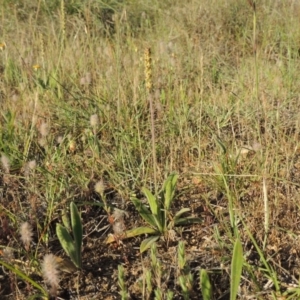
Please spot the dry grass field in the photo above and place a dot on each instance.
(102, 102)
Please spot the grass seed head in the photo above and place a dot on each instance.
(44, 129)
(118, 227)
(86, 79)
(5, 162)
(30, 167)
(100, 187)
(26, 234)
(59, 139)
(42, 142)
(118, 224)
(7, 254)
(94, 120)
(50, 272)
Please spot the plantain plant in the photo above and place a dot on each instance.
(159, 218)
(72, 246)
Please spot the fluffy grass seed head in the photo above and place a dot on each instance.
(119, 223)
(5, 162)
(100, 187)
(29, 167)
(50, 272)
(94, 120)
(7, 254)
(26, 234)
(86, 79)
(44, 129)
(59, 139)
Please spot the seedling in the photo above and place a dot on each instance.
(159, 216)
(72, 247)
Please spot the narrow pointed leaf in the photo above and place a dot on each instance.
(77, 231)
(147, 243)
(187, 221)
(222, 146)
(67, 243)
(159, 226)
(66, 220)
(132, 233)
(23, 276)
(169, 187)
(236, 269)
(144, 212)
(158, 216)
(181, 212)
(152, 200)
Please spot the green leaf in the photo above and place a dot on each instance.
(144, 212)
(236, 269)
(169, 190)
(147, 243)
(132, 233)
(159, 226)
(23, 276)
(206, 287)
(67, 243)
(181, 212)
(152, 200)
(66, 220)
(77, 231)
(187, 221)
(39, 297)
(157, 214)
(219, 142)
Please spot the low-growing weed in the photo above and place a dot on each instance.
(159, 216)
(72, 246)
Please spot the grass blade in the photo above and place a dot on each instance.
(236, 269)
(23, 276)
